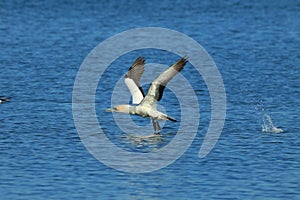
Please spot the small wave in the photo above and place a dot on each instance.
(268, 126)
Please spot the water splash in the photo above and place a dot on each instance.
(268, 126)
(267, 123)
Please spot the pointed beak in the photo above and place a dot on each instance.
(109, 110)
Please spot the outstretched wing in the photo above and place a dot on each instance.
(132, 79)
(157, 87)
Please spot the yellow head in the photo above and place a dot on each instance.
(119, 108)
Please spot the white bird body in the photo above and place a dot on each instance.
(140, 110)
(147, 104)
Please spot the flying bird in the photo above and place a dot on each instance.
(2, 99)
(145, 106)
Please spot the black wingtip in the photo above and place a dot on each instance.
(185, 59)
(140, 60)
(180, 63)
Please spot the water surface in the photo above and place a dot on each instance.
(256, 48)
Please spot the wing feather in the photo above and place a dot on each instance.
(132, 80)
(157, 87)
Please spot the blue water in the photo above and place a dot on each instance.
(255, 45)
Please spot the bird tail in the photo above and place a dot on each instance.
(171, 118)
(163, 116)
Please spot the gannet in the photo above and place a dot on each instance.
(145, 106)
(3, 99)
